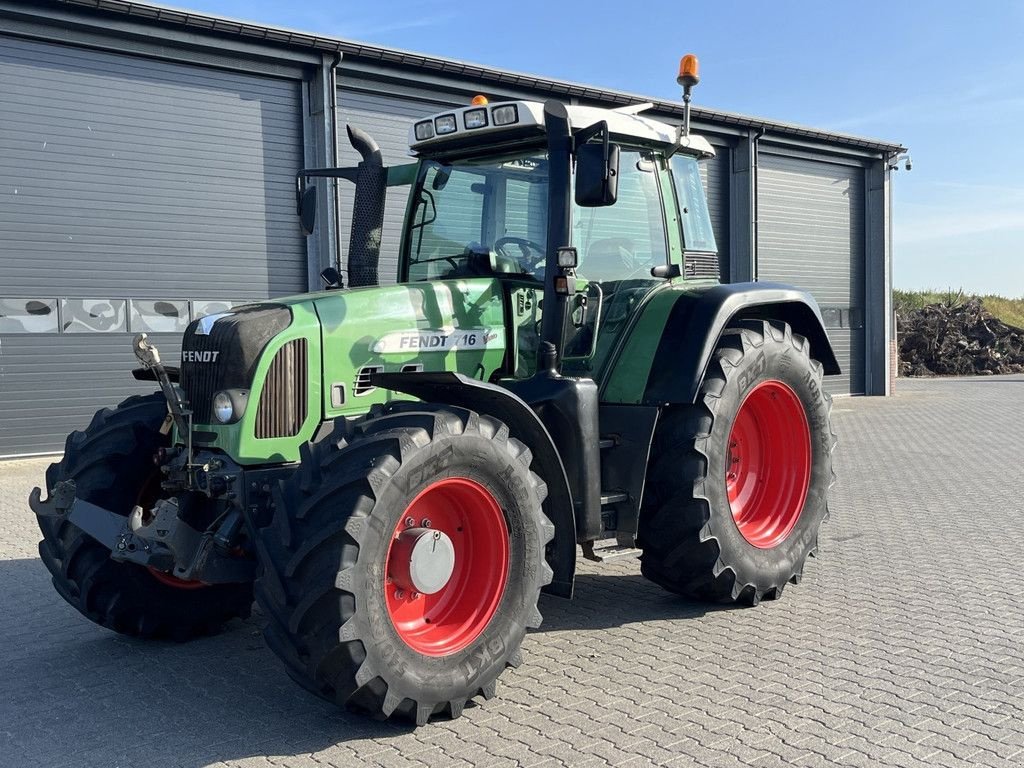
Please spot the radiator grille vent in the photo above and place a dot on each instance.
(362, 385)
(283, 405)
(702, 265)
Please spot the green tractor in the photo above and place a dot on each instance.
(396, 472)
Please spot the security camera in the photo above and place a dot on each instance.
(894, 164)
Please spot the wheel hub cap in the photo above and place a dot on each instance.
(422, 560)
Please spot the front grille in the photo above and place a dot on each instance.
(226, 356)
(283, 402)
(702, 265)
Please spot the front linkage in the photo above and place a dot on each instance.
(161, 537)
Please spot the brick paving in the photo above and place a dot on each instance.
(903, 646)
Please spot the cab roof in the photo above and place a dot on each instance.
(624, 123)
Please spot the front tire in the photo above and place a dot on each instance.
(738, 486)
(352, 612)
(111, 463)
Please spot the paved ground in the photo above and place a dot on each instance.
(903, 646)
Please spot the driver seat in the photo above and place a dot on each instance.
(608, 258)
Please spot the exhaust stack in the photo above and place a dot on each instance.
(367, 210)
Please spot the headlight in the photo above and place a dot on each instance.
(445, 124)
(505, 115)
(223, 408)
(424, 130)
(475, 118)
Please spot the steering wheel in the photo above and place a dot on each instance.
(525, 247)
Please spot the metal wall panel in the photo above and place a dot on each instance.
(715, 174)
(811, 234)
(130, 178)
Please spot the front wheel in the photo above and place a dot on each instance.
(111, 463)
(738, 486)
(404, 561)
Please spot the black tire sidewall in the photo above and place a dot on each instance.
(459, 675)
(768, 358)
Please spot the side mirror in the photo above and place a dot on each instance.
(307, 209)
(331, 278)
(597, 175)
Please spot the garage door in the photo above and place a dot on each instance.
(811, 234)
(136, 194)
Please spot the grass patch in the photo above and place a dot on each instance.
(1010, 311)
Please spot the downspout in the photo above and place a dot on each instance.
(755, 246)
(335, 159)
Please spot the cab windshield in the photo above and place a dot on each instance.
(479, 217)
(489, 216)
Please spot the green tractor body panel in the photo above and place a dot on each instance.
(451, 325)
(454, 325)
(625, 379)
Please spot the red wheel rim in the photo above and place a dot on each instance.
(448, 620)
(173, 581)
(769, 464)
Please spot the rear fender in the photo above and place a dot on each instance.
(492, 400)
(695, 324)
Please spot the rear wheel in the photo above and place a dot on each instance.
(404, 561)
(738, 483)
(111, 463)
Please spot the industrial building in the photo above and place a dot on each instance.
(147, 177)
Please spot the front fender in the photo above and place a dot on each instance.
(694, 325)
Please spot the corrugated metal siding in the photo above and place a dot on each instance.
(811, 234)
(124, 177)
(715, 175)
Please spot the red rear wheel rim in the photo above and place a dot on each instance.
(768, 467)
(448, 620)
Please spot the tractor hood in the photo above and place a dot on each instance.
(289, 364)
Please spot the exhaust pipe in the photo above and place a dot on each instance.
(367, 210)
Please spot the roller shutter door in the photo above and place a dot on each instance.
(811, 234)
(136, 194)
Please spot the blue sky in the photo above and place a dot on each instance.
(944, 78)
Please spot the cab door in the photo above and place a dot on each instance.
(618, 245)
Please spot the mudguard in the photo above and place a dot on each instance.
(490, 399)
(697, 320)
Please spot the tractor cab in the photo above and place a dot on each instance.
(480, 206)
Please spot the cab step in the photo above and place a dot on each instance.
(608, 552)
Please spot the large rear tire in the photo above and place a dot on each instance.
(738, 485)
(111, 463)
(339, 561)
